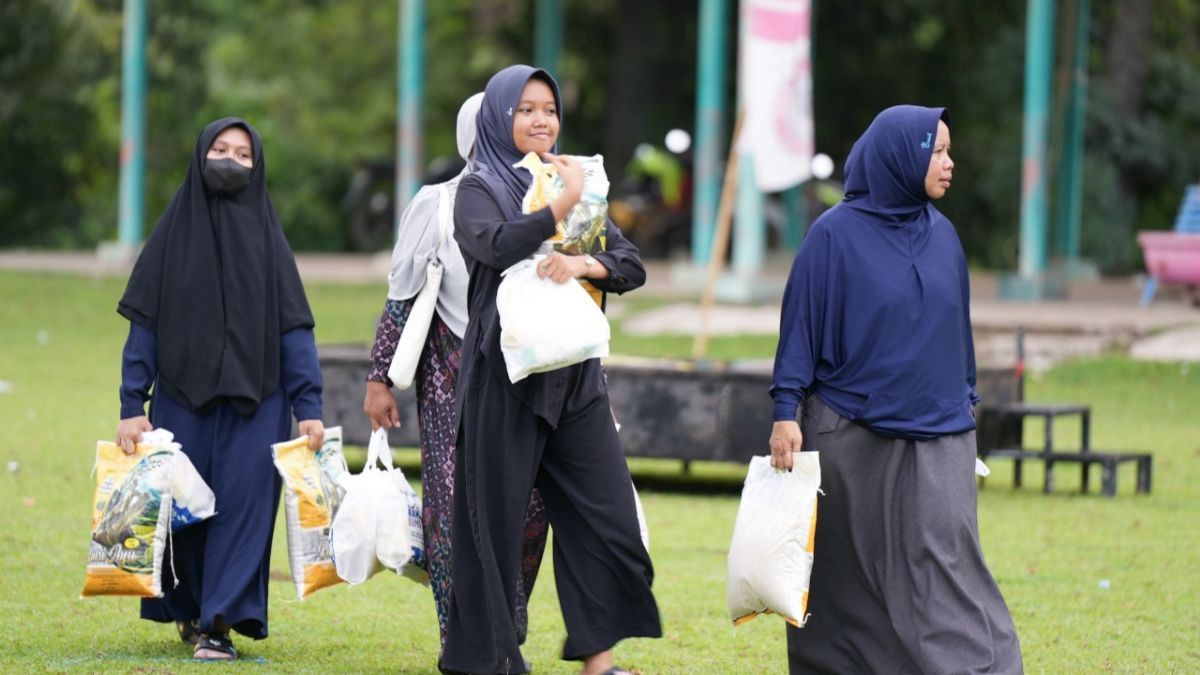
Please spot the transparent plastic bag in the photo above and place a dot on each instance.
(585, 223)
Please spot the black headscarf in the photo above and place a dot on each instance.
(217, 284)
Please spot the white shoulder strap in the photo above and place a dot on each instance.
(445, 216)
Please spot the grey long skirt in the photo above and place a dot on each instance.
(899, 584)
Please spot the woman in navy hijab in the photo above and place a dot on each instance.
(875, 352)
(552, 430)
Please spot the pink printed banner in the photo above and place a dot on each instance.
(775, 83)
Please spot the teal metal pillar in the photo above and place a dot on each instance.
(750, 222)
(411, 58)
(131, 204)
(710, 112)
(1069, 202)
(549, 25)
(1039, 59)
(1031, 280)
(795, 205)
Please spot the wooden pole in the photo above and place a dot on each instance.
(720, 243)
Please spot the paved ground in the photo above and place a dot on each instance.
(1098, 316)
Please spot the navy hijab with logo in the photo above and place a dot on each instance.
(495, 150)
(217, 284)
(876, 316)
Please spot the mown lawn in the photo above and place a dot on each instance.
(1094, 584)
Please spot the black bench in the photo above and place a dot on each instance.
(1001, 431)
(1108, 462)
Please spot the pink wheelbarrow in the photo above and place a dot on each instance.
(1171, 258)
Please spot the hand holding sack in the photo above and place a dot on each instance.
(771, 555)
(311, 498)
(582, 230)
(585, 223)
(545, 325)
(378, 524)
(138, 501)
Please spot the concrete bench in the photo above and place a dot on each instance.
(671, 409)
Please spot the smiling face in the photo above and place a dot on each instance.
(941, 167)
(233, 143)
(535, 118)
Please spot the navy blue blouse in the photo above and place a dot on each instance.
(876, 316)
(300, 371)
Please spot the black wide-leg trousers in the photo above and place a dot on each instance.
(602, 570)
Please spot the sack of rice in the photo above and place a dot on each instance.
(131, 512)
(771, 555)
(312, 495)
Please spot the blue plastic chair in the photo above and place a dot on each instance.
(1186, 221)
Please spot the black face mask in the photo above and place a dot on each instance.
(224, 177)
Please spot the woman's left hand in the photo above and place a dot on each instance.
(562, 268)
(315, 431)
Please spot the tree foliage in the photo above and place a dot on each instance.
(319, 80)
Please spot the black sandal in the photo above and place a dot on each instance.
(189, 631)
(217, 643)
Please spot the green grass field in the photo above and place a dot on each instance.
(1095, 585)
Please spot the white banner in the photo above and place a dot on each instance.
(775, 83)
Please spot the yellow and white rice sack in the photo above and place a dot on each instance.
(139, 500)
(131, 514)
(586, 223)
(312, 496)
(771, 555)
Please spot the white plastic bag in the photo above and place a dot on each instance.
(771, 555)
(375, 526)
(643, 528)
(545, 325)
(192, 500)
(311, 498)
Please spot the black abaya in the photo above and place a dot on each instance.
(553, 430)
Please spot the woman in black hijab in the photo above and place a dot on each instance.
(551, 430)
(221, 344)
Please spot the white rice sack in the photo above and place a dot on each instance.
(417, 565)
(771, 554)
(312, 497)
